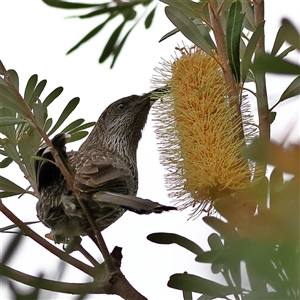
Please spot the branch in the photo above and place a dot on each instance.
(50, 285)
(222, 53)
(260, 78)
(66, 173)
(37, 238)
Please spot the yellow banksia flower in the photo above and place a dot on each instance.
(198, 131)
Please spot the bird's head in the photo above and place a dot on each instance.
(119, 128)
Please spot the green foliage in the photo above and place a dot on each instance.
(127, 10)
(21, 137)
(261, 233)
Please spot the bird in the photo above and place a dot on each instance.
(104, 169)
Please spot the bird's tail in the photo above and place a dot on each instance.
(132, 203)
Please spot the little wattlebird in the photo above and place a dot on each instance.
(104, 169)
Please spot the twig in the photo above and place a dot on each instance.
(33, 235)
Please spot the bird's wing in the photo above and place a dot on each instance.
(132, 203)
(101, 171)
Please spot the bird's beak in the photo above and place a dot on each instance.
(156, 94)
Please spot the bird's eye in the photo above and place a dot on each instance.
(121, 106)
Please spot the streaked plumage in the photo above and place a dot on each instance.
(105, 173)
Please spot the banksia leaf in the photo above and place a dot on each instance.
(199, 132)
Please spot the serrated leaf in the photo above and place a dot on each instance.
(188, 28)
(69, 5)
(292, 90)
(30, 87)
(109, 47)
(149, 19)
(65, 114)
(52, 96)
(193, 283)
(268, 63)
(246, 62)
(233, 37)
(91, 33)
(171, 238)
(78, 136)
(8, 186)
(5, 121)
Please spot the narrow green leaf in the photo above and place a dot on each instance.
(30, 87)
(70, 5)
(27, 150)
(14, 78)
(149, 19)
(11, 151)
(14, 226)
(250, 50)
(285, 52)
(171, 238)
(187, 295)
(39, 112)
(109, 47)
(8, 186)
(78, 136)
(248, 11)
(8, 194)
(5, 162)
(188, 28)
(167, 35)
(80, 128)
(11, 248)
(66, 112)
(193, 283)
(37, 92)
(91, 33)
(215, 242)
(8, 131)
(73, 125)
(188, 8)
(117, 51)
(48, 124)
(292, 35)
(112, 9)
(52, 96)
(292, 90)
(10, 101)
(221, 227)
(5, 121)
(268, 63)
(233, 37)
(272, 116)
